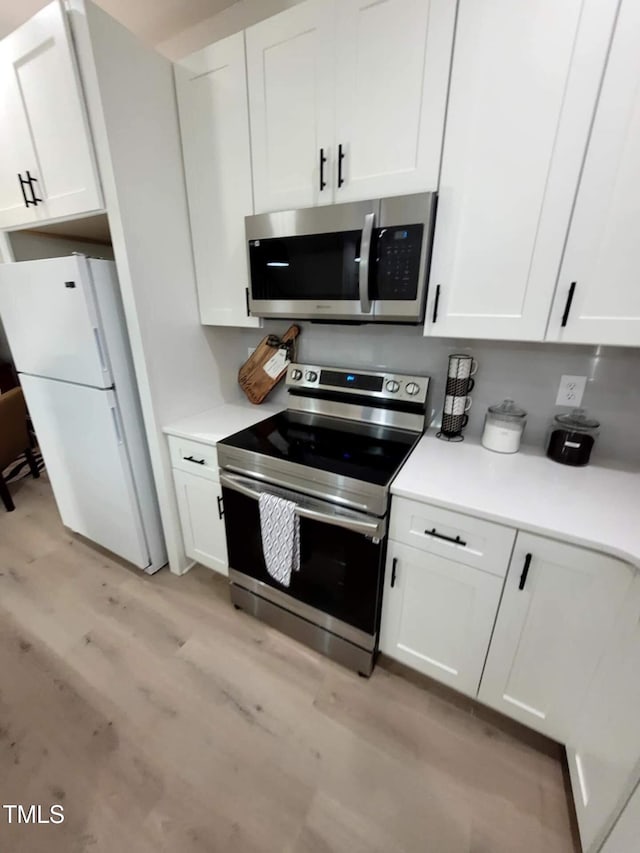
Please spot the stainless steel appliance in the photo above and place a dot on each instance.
(364, 262)
(334, 452)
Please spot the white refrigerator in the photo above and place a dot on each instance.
(64, 321)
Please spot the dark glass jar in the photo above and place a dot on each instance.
(571, 438)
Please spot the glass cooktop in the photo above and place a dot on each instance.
(361, 451)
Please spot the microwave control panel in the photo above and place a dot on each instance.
(398, 262)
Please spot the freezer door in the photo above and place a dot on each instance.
(50, 315)
(80, 436)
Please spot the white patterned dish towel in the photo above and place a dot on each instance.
(280, 527)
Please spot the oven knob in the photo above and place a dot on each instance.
(311, 376)
(412, 388)
(296, 375)
(393, 386)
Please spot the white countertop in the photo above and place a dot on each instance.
(212, 425)
(592, 506)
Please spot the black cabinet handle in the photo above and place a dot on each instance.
(323, 160)
(220, 507)
(24, 195)
(436, 302)
(341, 156)
(191, 459)
(567, 307)
(246, 299)
(394, 566)
(29, 181)
(33, 181)
(525, 571)
(456, 541)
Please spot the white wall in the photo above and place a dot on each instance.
(529, 373)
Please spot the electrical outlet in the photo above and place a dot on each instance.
(571, 390)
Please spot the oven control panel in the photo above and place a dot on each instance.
(364, 383)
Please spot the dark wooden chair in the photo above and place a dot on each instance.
(14, 439)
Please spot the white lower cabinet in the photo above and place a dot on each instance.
(625, 834)
(438, 615)
(604, 749)
(201, 516)
(559, 607)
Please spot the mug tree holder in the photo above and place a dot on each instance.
(457, 388)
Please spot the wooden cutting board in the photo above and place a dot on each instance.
(258, 382)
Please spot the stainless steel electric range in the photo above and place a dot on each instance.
(334, 452)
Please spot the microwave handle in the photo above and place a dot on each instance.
(373, 528)
(365, 255)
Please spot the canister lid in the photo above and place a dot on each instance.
(577, 419)
(508, 410)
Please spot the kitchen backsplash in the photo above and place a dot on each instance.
(528, 373)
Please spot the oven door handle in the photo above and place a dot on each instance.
(365, 255)
(374, 529)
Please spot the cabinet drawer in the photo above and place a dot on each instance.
(462, 538)
(194, 457)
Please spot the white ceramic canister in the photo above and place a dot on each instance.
(503, 427)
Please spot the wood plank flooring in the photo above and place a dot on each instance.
(164, 720)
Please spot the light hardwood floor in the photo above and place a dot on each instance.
(164, 720)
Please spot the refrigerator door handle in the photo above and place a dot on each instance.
(100, 348)
(116, 423)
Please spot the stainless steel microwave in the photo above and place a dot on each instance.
(365, 261)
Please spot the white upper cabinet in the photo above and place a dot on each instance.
(291, 95)
(524, 85)
(392, 72)
(601, 265)
(45, 133)
(214, 123)
(347, 100)
(559, 606)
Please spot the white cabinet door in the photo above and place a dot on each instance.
(393, 61)
(437, 615)
(524, 84)
(604, 749)
(200, 507)
(291, 97)
(44, 125)
(214, 124)
(552, 628)
(602, 258)
(624, 838)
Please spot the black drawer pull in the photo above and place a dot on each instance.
(191, 459)
(220, 507)
(525, 571)
(567, 307)
(456, 541)
(394, 566)
(436, 302)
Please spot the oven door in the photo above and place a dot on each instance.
(339, 584)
